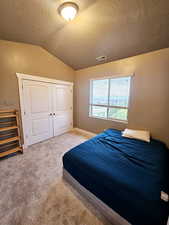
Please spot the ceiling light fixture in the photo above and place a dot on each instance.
(68, 10)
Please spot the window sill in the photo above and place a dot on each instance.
(113, 120)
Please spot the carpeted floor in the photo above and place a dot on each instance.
(32, 191)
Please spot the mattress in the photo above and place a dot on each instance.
(126, 174)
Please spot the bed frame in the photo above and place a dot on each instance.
(100, 209)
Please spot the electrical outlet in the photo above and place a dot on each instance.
(101, 58)
(164, 196)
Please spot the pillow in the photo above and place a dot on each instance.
(137, 134)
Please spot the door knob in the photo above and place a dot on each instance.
(54, 114)
(50, 114)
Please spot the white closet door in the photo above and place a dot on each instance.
(38, 111)
(62, 108)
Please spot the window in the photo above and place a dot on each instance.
(109, 98)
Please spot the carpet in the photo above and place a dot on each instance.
(32, 191)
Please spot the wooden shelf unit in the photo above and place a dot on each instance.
(10, 139)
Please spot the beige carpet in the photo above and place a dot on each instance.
(32, 191)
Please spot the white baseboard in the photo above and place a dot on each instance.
(85, 132)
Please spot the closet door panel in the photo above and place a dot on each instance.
(38, 109)
(62, 108)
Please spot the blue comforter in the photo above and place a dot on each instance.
(126, 174)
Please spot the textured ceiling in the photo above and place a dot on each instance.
(115, 28)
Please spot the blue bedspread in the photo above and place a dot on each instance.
(126, 174)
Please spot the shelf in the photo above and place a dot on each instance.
(8, 140)
(10, 151)
(8, 128)
(8, 111)
(7, 116)
(7, 122)
(7, 135)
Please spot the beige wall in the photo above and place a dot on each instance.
(29, 59)
(149, 107)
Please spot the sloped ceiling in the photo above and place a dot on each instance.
(115, 28)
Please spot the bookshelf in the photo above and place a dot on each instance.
(10, 138)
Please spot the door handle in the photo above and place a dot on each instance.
(54, 114)
(50, 114)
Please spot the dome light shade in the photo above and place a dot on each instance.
(68, 10)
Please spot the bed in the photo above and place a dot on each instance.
(126, 175)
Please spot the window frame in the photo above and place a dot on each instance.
(108, 106)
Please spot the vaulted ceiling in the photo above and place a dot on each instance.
(115, 28)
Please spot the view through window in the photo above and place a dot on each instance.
(109, 98)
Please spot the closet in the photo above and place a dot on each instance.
(47, 109)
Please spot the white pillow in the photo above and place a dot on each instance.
(137, 134)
